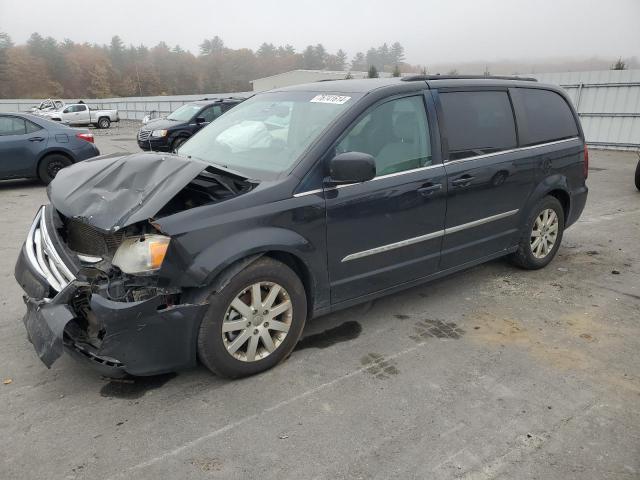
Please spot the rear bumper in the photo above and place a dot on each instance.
(139, 338)
(578, 201)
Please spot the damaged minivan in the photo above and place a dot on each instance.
(296, 203)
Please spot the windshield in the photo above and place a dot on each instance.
(185, 113)
(264, 136)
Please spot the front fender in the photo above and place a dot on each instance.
(181, 269)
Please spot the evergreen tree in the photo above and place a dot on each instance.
(373, 72)
(358, 63)
(619, 65)
(396, 71)
(397, 53)
(341, 59)
(5, 45)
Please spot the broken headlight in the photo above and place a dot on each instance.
(143, 254)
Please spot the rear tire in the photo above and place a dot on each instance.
(50, 166)
(638, 175)
(235, 321)
(541, 236)
(104, 123)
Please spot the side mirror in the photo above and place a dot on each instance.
(200, 120)
(352, 167)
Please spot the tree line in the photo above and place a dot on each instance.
(45, 67)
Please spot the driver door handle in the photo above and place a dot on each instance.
(463, 181)
(36, 139)
(429, 189)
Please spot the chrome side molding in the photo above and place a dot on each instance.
(428, 236)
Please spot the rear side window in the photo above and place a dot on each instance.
(478, 123)
(12, 126)
(211, 113)
(546, 116)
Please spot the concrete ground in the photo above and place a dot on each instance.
(492, 373)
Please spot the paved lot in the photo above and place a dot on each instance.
(491, 373)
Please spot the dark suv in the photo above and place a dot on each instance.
(298, 202)
(167, 134)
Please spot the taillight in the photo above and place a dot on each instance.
(88, 137)
(585, 167)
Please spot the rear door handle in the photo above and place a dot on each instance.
(429, 189)
(36, 139)
(462, 181)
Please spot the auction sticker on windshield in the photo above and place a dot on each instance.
(335, 99)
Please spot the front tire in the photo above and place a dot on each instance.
(177, 143)
(50, 166)
(542, 235)
(104, 123)
(254, 322)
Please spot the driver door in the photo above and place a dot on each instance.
(387, 231)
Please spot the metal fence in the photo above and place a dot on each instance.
(607, 101)
(129, 108)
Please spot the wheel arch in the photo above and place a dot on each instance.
(55, 151)
(565, 200)
(179, 134)
(213, 268)
(557, 186)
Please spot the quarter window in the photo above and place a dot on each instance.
(395, 133)
(478, 123)
(547, 117)
(32, 127)
(11, 126)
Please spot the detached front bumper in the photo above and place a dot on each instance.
(138, 338)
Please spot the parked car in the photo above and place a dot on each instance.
(637, 178)
(33, 147)
(152, 115)
(167, 134)
(81, 114)
(47, 106)
(298, 202)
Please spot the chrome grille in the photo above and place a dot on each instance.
(43, 256)
(143, 135)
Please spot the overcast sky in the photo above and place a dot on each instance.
(430, 30)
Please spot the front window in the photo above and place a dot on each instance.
(395, 133)
(184, 113)
(264, 136)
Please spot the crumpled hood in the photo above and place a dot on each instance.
(112, 192)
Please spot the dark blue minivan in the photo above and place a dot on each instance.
(296, 203)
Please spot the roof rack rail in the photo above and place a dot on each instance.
(416, 78)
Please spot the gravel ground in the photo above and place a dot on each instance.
(491, 373)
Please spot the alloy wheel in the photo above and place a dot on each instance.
(54, 167)
(257, 321)
(544, 233)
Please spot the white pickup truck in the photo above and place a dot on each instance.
(81, 114)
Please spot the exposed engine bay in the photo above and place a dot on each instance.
(100, 274)
(206, 188)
